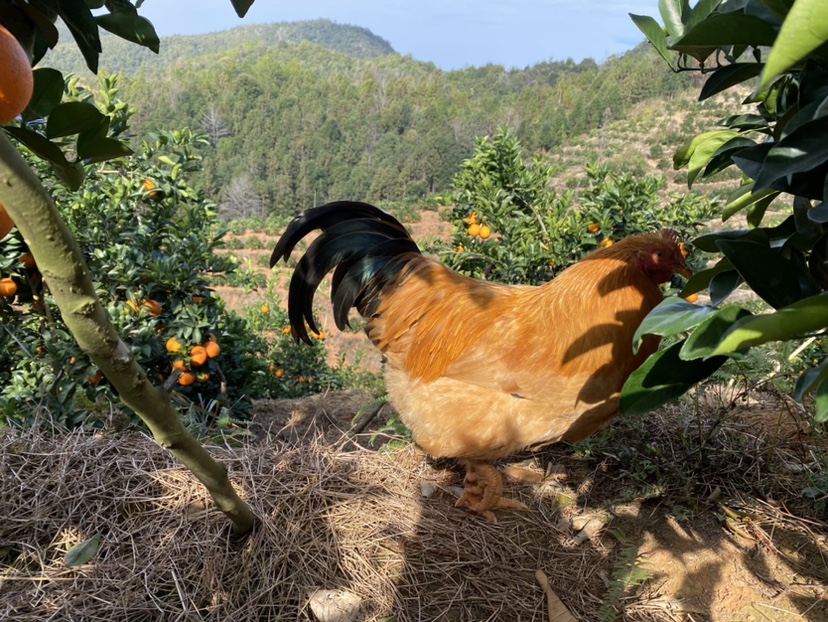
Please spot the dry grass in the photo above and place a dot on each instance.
(336, 515)
(333, 519)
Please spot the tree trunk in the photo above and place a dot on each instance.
(60, 261)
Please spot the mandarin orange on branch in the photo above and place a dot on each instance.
(16, 80)
(198, 356)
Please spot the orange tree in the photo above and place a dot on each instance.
(778, 139)
(149, 242)
(76, 134)
(510, 225)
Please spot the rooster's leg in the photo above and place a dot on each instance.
(484, 489)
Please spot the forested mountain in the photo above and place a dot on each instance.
(293, 124)
(120, 55)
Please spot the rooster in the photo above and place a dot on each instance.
(479, 370)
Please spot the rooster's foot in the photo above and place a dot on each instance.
(483, 491)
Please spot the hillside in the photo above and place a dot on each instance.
(296, 124)
(122, 56)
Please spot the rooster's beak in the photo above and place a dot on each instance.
(685, 272)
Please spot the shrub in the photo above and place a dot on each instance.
(149, 241)
(534, 232)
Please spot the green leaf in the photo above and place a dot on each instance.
(70, 173)
(756, 212)
(684, 154)
(705, 150)
(722, 285)
(729, 75)
(130, 27)
(725, 29)
(703, 341)
(48, 91)
(701, 279)
(819, 213)
(663, 377)
(802, 150)
(101, 149)
(743, 197)
(723, 158)
(801, 318)
(84, 552)
(745, 122)
(810, 379)
(767, 273)
(655, 35)
(804, 30)
(671, 12)
(72, 118)
(77, 16)
(821, 403)
(709, 241)
(672, 316)
(701, 12)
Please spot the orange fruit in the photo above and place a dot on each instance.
(606, 243)
(474, 230)
(198, 299)
(272, 368)
(279, 373)
(286, 330)
(133, 306)
(202, 376)
(149, 186)
(153, 306)
(485, 232)
(96, 378)
(213, 349)
(692, 298)
(16, 80)
(6, 223)
(180, 365)
(319, 336)
(593, 227)
(198, 356)
(173, 345)
(27, 260)
(8, 287)
(186, 379)
(265, 309)
(301, 379)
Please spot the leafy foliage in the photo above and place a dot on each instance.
(780, 148)
(532, 232)
(149, 241)
(93, 138)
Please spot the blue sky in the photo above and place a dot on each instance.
(450, 33)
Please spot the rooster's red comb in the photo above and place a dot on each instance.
(670, 235)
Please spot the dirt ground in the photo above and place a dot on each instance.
(730, 555)
(690, 516)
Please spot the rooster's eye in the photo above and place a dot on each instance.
(659, 254)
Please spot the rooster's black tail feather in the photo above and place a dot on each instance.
(365, 245)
